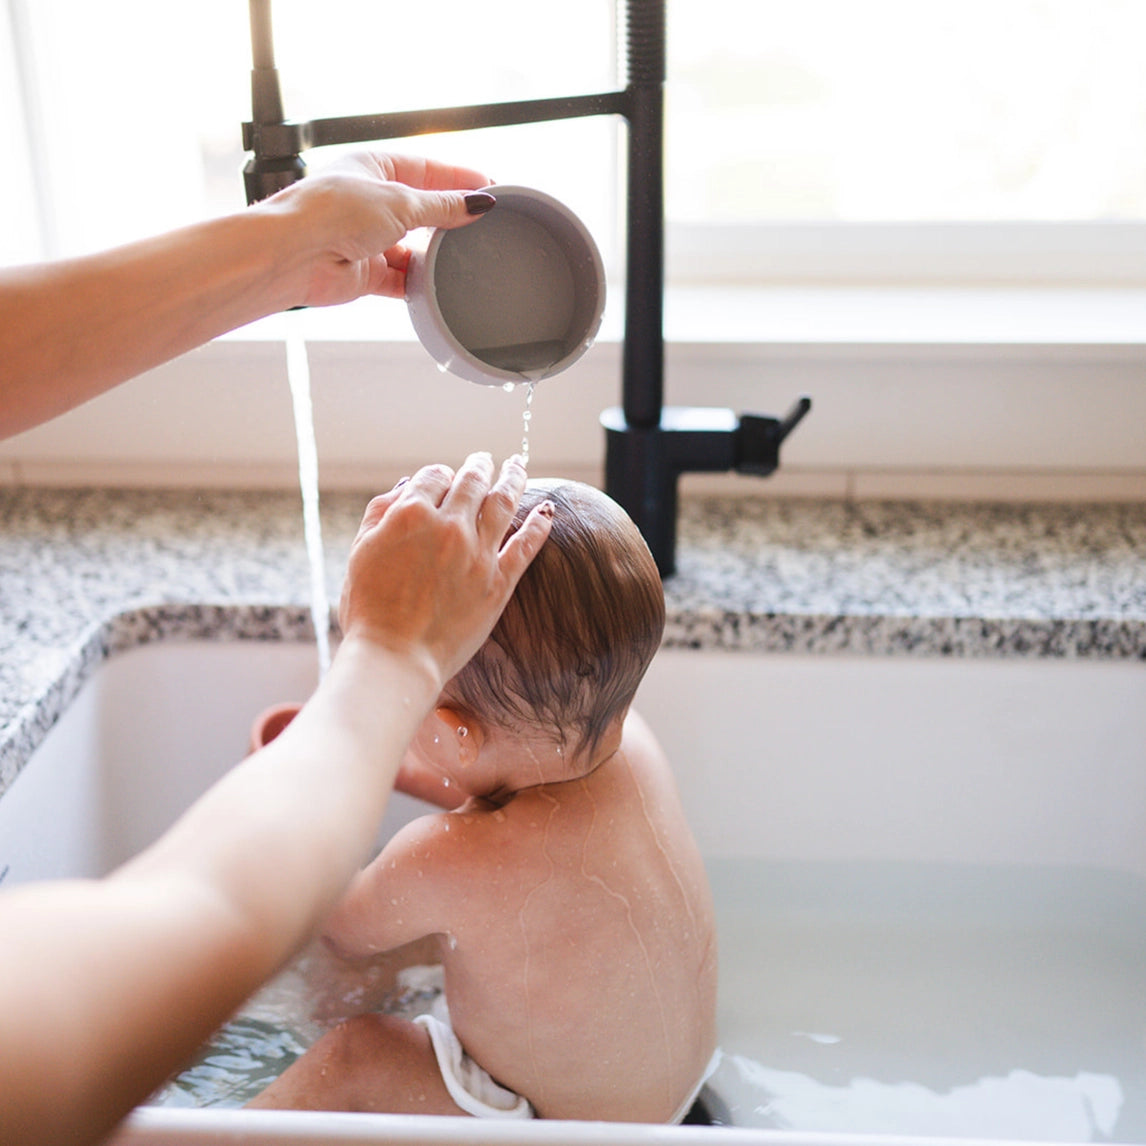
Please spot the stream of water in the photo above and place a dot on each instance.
(298, 375)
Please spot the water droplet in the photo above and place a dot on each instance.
(446, 782)
(526, 417)
(442, 368)
(463, 731)
(509, 387)
(453, 942)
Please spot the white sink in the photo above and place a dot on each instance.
(930, 874)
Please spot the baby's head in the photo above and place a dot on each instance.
(585, 621)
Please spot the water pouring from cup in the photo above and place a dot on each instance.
(514, 297)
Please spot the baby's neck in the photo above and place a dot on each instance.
(514, 763)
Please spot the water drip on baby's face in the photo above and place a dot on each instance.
(467, 751)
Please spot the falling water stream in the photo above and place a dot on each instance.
(527, 416)
(526, 420)
(298, 375)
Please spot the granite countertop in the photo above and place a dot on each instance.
(84, 573)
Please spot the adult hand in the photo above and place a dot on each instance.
(359, 209)
(75, 327)
(432, 569)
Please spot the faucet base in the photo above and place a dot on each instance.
(643, 463)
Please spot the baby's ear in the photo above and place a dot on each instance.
(463, 731)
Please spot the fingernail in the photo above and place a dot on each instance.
(547, 509)
(479, 202)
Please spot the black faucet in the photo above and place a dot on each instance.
(648, 445)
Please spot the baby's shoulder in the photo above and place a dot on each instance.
(477, 826)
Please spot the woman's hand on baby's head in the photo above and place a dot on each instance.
(431, 568)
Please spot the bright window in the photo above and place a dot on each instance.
(880, 110)
(796, 129)
(135, 106)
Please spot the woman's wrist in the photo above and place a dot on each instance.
(378, 661)
(313, 220)
(283, 250)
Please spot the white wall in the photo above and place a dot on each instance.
(916, 393)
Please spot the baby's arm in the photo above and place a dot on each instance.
(400, 897)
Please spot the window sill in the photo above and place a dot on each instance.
(811, 315)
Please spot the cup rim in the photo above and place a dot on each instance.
(430, 324)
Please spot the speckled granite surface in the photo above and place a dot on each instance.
(84, 573)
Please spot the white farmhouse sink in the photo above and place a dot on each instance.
(930, 875)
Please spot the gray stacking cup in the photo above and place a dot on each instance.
(515, 296)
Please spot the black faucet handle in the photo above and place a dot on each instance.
(758, 438)
(791, 419)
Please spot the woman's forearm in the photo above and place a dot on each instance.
(128, 974)
(75, 328)
(282, 834)
(131, 973)
(72, 329)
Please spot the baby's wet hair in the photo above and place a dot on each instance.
(581, 628)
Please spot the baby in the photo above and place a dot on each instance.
(563, 889)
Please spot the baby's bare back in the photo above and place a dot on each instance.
(581, 964)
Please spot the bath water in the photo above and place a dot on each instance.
(888, 998)
(948, 1000)
(250, 1051)
(298, 375)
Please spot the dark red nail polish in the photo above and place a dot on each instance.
(479, 202)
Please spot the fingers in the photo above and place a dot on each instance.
(387, 273)
(525, 543)
(430, 482)
(449, 209)
(429, 174)
(501, 503)
(471, 485)
(447, 195)
(472, 495)
(377, 508)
